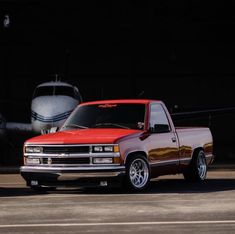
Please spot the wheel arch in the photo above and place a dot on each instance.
(192, 172)
(196, 150)
(132, 154)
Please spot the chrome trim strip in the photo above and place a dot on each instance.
(74, 176)
(189, 159)
(62, 166)
(185, 159)
(65, 169)
(176, 161)
(67, 155)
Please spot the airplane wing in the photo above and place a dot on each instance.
(12, 126)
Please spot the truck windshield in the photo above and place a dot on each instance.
(130, 116)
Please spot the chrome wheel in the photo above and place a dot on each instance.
(201, 165)
(139, 173)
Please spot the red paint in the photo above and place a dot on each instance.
(166, 152)
(126, 101)
(83, 136)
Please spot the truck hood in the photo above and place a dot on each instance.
(83, 136)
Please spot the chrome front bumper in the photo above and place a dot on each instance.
(72, 175)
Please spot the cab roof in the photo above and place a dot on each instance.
(125, 101)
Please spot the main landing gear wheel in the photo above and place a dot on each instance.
(198, 168)
(137, 173)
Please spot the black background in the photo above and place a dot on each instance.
(181, 52)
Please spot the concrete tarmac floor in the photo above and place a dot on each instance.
(170, 206)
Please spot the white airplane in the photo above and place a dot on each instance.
(52, 103)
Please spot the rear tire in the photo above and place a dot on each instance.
(197, 169)
(137, 174)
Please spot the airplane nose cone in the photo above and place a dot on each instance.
(50, 111)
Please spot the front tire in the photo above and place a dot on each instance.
(198, 168)
(137, 173)
(39, 188)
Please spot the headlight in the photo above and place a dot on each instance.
(32, 161)
(108, 148)
(102, 160)
(105, 148)
(98, 148)
(33, 149)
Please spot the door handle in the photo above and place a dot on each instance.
(173, 139)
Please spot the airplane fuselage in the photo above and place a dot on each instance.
(51, 111)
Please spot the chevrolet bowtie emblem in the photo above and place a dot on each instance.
(49, 161)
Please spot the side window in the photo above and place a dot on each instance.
(158, 119)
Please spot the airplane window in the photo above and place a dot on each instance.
(43, 91)
(77, 95)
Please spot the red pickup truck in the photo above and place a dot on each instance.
(124, 141)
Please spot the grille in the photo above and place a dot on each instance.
(66, 160)
(66, 149)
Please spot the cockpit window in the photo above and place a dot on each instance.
(43, 91)
(54, 90)
(64, 90)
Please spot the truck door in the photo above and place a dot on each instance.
(163, 150)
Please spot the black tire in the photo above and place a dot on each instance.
(197, 169)
(40, 188)
(137, 174)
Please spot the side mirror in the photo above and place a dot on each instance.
(53, 129)
(160, 128)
